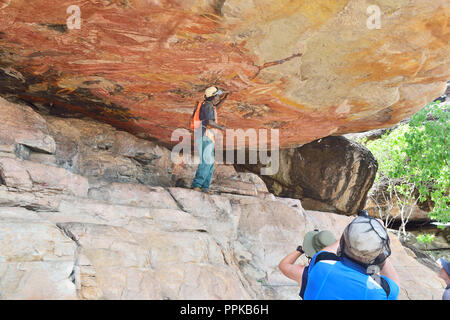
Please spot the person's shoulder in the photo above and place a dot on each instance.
(207, 107)
(324, 256)
(314, 257)
(207, 111)
(208, 104)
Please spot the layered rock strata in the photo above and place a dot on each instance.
(308, 68)
(70, 233)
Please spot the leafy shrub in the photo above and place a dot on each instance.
(426, 239)
(416, 157)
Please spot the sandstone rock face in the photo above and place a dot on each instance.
(411, 213)
(64, 235)
(96, 152)
(29, 128)
(36, 258)
(204, 247)
(331, 174)
(141, 65)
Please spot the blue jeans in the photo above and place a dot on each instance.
(205, 169)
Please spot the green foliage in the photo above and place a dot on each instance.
(425, 239)
(416, 157)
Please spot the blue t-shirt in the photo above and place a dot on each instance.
(344, 280)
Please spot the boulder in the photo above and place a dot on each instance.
(155, 264)
(22, 126)
(209, 247)
(100, 152)
(332, 174)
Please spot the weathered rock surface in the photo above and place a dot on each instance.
(390, 209)
(36, 258)
(202, 247)
(66, 233)
(97, 152)
(29, 128)
(310, 69)
(332, 174)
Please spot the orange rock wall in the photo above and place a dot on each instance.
(308, 68)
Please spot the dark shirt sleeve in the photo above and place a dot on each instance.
(207, 111)
(304, 282)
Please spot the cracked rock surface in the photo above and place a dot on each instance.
(68, 231)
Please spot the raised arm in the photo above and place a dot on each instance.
(291, 270)
(222, 101)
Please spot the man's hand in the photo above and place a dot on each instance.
(213, 124)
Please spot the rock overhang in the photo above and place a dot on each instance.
(308, 69)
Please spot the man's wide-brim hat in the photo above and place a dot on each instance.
(316, 240)
(212, 91)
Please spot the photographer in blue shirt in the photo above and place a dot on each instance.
(356, 267)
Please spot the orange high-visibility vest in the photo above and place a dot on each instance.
(196, 122)
(195, 119)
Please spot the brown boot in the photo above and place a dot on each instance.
(196, 189)
(207, 191)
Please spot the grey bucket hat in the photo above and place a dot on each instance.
(316, 240)
(366, 240)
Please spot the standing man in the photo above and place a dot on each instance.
(204, 137)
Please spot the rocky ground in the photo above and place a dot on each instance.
(89, 212)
